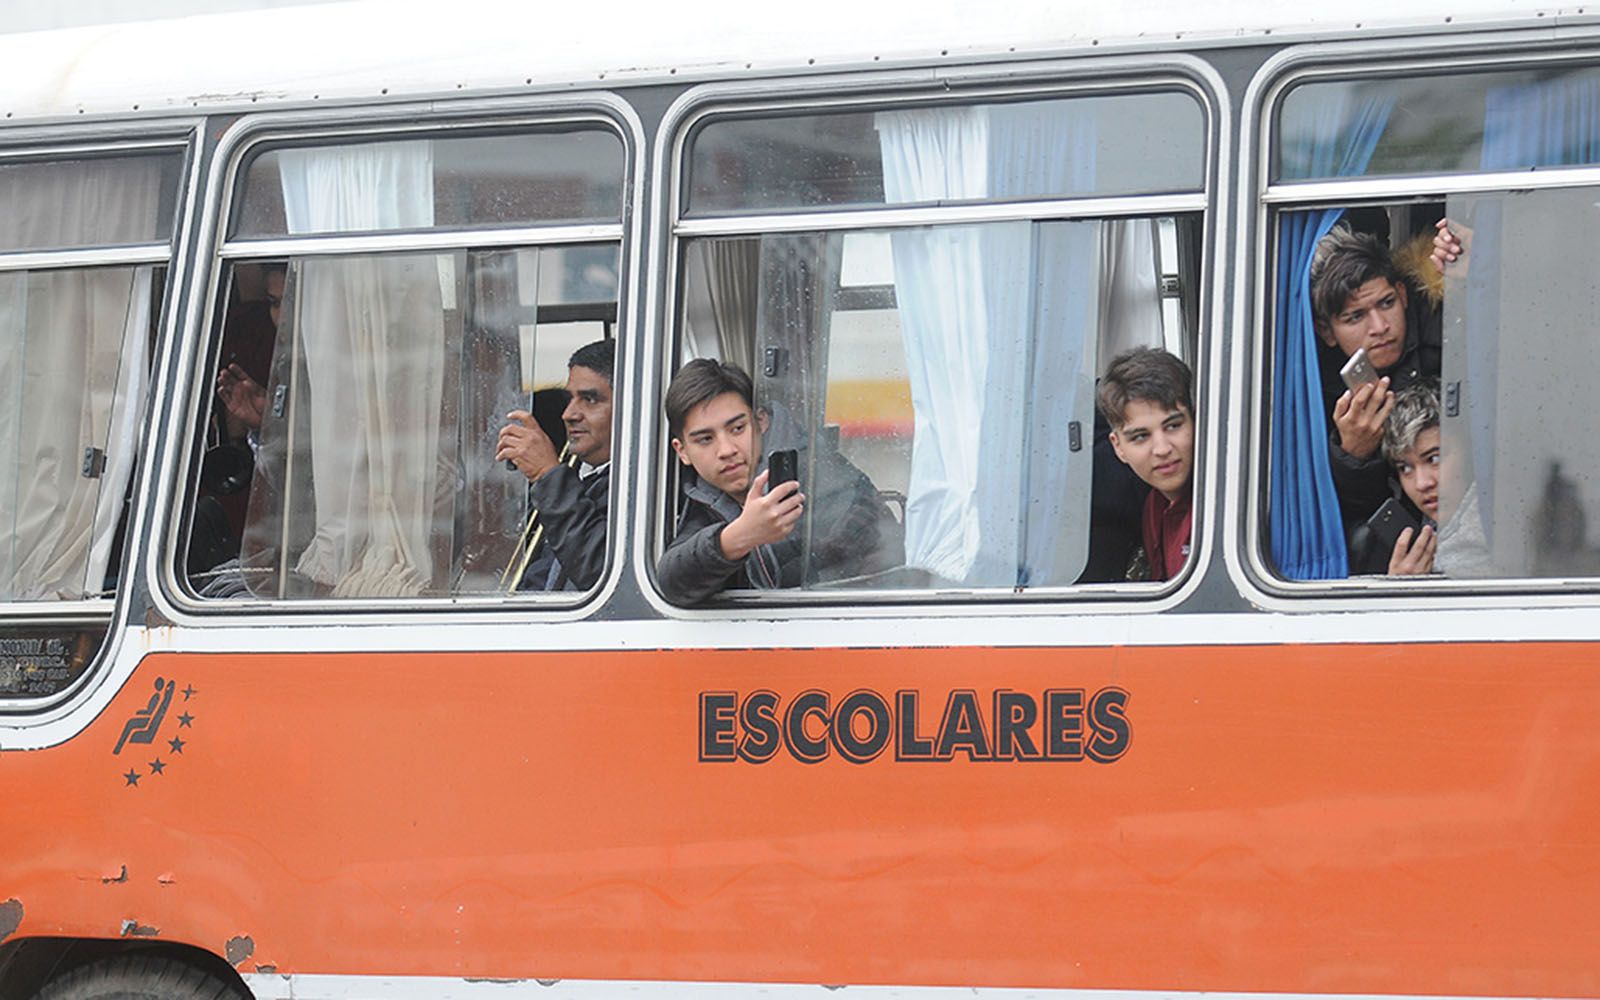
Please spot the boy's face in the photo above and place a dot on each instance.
(1157, 443)
(1374, 317)
(1418, 469)
(721, 440)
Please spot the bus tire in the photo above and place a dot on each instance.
(138, 977)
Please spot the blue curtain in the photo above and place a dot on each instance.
(1306, 535)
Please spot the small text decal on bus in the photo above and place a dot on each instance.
(1067, 724)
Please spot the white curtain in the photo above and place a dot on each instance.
(372, 331)
(74, 367)
(1000, 322)
(720, 279)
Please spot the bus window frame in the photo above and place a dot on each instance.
(201, 333)
(947, 86)
(1261, 204)
(182, 136)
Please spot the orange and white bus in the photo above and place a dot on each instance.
(278, 720)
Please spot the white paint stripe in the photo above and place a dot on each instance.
(269, 986)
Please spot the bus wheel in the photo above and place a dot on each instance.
(138, 977)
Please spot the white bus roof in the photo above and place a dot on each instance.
(374, 48)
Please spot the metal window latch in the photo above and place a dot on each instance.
(1452, 399)
(280, 399)
(1074, 435)
(94, 463)
(772, 366)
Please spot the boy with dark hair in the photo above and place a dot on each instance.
(572, 502)
(1362, 296)
(733, 532)
(1146, 397)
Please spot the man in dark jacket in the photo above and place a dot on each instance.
(572, 502)
(733, 532)
(1361, 298)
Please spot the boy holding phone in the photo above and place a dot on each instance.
(1145, 395)
(741, 524)
(1402, 537)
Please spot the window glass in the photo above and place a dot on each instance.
(88, 202)
(572, 176)
(1059, 148)
(937, 386)
(74, 369)
(351, 454)
(1439, 123)
(1519, 488)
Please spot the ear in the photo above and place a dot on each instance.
(1401, 292)
(677, 446)
(1324, 331)
(1116, 446)
(763, 420)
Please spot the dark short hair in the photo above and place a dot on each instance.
(1344, 261)
(702, 380)
(1147, 373)
(599, 357)
(1416, 408)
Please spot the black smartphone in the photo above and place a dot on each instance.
(783, 467)
(1389, 521)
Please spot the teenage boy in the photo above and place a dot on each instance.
(733, 532)
(1145, 396)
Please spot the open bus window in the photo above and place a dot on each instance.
(361, 463)
(950, 367)
(1480, 469)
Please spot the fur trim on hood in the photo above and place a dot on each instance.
(1415, 261)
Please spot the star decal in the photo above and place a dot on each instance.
(176, 744)
(157, 766)
(132, 776)
(188, 692)
(184, 720)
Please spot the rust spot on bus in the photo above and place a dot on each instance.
(239, 948)
(132, 928)
(121, 876)
(10, 917)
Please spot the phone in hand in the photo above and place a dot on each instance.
(782, 467)
(1358, 371)
(1389, 521)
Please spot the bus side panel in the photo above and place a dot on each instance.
(1361, 819)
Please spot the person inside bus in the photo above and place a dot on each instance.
(1364, 297)
(1147, 398)
(572, 503)
(733, 530)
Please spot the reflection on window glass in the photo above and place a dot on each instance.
(351, 451)
(483, 181)
(1065, 147)
(943, 375)
(74, 372)
(1437, 123)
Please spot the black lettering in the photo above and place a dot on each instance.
(962, 728)
(716, 724)
(1014, 714)
(802, 744)
(1108, 715)
(910, 745)
(861, 704)
(762, 735)
(1063, 724)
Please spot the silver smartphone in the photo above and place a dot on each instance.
(1358, 371)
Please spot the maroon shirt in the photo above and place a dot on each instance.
(1166, 527)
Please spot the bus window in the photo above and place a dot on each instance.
(935, 379)
(361, 462)
(1457, 466)
(75, 349)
